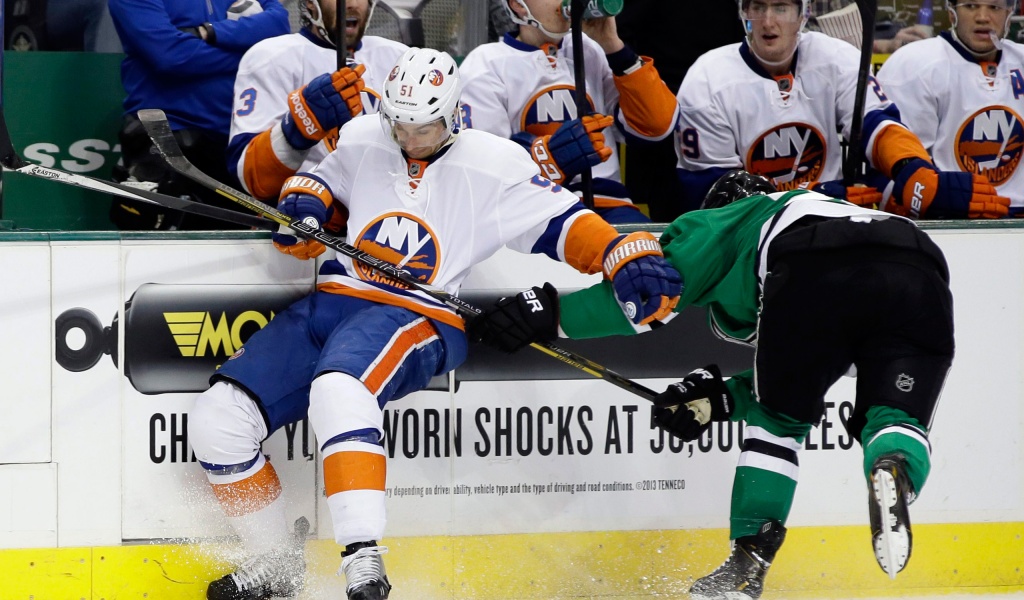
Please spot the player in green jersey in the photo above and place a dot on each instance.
(822, 288)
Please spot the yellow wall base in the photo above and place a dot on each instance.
(816, 562)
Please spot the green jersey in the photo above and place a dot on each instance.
(716, 252)
(721, 256)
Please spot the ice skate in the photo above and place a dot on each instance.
(364, 571)
(889, 493)
(274, 574)
(742, 575)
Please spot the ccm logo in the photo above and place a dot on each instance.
(299, 110)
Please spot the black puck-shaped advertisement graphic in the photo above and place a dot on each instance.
(175, 336)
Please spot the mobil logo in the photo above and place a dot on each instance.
(402, 239)
(790, 154)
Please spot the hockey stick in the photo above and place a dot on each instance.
(580, 73)
(341, 45)
(160, 132)
(10, 160)
(854, 152)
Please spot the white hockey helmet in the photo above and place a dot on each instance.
(1010, 4)
(529, 19)
(423, 87)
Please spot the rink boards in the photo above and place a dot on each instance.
(530, 481)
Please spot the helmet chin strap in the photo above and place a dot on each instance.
(532, 21)
(997, 40)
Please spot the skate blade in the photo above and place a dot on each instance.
(892, 545)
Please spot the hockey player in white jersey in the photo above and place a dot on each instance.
(961, 94)
(773, 104)
(435, 201)
(522, 87)
(289, 94)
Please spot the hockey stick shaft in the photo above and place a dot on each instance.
(341, 43)
(854, 152)
(159, 131)
(580, 74)
(10, 160)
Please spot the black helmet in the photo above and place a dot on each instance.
(734, 185)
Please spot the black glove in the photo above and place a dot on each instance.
(687, 408)
(517, 321)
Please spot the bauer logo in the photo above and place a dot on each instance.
(548, 109)
(401, 239)
(990, 143)
(790, 155)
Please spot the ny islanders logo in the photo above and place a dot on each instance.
(435, 78)
(990, 143)
(789, 155)
(401, 239)
(549, 108)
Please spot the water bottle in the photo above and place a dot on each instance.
(596, 9)
(924, 17)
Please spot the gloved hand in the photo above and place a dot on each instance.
(311, 210)
(327, 102)
(574, 146)
(922, 191)
(646, 286)
(517, 321)
(687, 408)
(859, 195)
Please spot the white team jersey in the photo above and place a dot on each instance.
(439, 220)
(276, 67)
(511, 87)
(967, 115)
(732, 116)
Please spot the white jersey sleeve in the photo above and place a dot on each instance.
(913, 77)
(706, 135)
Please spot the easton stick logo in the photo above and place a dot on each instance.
(545, 112)
(790, 155)
(43, 172)
(197, 334)
(990, 143)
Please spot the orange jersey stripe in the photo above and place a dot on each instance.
(585, 242)
(347, 470)
(263, 171)
(609, 202)
(648, 106)
(381, 371)
(249, 495)
(438, 314)
(893, 144)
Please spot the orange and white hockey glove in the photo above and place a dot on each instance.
(327, 102)
(574, 146)
(646, 286)
(307, 199)
(857, 194)
(922, 191)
